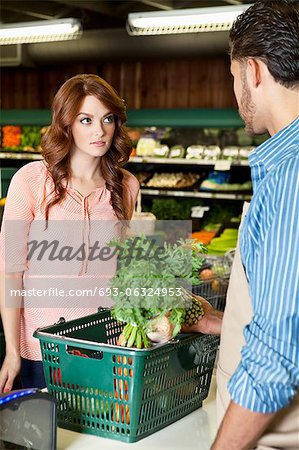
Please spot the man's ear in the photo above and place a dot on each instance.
(254, 71)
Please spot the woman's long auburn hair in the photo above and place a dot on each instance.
(58, 140)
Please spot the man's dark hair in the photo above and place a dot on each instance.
(269, 30)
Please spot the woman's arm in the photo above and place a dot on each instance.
(17, 218)
(10, 315)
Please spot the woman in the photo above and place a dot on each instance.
(58, 212)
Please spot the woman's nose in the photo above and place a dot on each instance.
(100, 130)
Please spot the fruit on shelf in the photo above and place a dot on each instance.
(219, 181)
(206, 274)
(204, 236)
(161, 151)
(11, 136)
(173, 180)
(142, 177)
(30, 138)
(195, 152)
(177, 151)
(145, 146)
(211, 152)
(225, 242)
(25, 138)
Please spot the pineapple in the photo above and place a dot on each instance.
(193, 313)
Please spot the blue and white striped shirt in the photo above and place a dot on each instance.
(267, 377)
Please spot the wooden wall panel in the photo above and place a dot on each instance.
(125, 78)
(111, 73)
(178, 73)
(210, 84)
(153, 84)
(28, 88)
(130, 84)
(183, 83)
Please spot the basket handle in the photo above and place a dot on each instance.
(103, 309)
(60, 321)
(83, 353)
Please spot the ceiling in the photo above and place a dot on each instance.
(104, 31)
(95, 14)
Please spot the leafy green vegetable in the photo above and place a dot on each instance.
(172, 209)
(151, 282)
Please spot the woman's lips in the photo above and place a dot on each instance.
(98, 143)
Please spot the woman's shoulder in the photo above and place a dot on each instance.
(29, 178)
(130, 180)
(32, 171)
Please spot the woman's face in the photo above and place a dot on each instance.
(93, 128)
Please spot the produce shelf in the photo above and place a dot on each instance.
(132, 160)
(180, 161)
(20, 155)
(187, 118)
(193, 194)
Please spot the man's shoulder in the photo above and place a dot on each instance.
(289, 161)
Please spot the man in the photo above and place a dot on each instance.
(258, 370)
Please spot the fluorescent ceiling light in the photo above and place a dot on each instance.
(192, 20)
(40, 31)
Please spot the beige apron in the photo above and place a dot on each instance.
(284, 430)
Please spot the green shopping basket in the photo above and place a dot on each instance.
(120, 393)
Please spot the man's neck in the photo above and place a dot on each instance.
(284, 108)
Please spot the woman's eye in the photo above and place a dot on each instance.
(86, 120)
(109, 119)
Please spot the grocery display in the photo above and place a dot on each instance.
(219, 181)
(11, 136)
(21, 138)
(225, 242)
(169, 163)
(173, 180)
(176, 164)
(214, 277)
(171, 208)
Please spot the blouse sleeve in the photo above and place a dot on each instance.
(131, 186)
(17, 217)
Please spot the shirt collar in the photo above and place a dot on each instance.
(273, 151)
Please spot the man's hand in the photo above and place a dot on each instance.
(210, 323)
(10, 369)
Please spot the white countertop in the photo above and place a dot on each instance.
(195, 431)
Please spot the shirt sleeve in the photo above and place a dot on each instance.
(132, 186)
(267, 377)
(17, 217)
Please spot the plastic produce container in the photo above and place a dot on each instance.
(119, 393)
